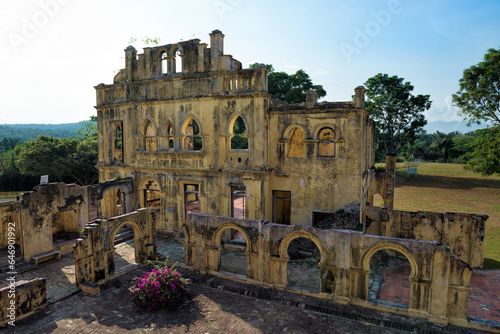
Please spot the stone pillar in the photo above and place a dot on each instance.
(130, 55)
(311, 99)
(260, 78)
(148, 72)
(216, 49)
(390, 173)
(359, 97)
(439, 287)
(201, 57)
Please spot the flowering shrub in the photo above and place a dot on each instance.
(161, 287)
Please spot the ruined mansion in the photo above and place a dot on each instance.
(194, 148)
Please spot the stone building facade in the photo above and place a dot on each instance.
(168, 122)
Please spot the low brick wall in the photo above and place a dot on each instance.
(21, 300)
(463, 233)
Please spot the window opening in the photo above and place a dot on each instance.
(152, 196)
(164, 63)
(191, 198)
(178, 62)
(326, 145)
(239, 140)
(169, 132)
(150, 141)
(117, 141)
(238, 202)
(193, 140)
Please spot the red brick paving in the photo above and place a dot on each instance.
(395, 287)
(484, 298)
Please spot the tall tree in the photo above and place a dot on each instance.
(398, 114)
(67, 159)
(479, 94)
(484, 154)
(291, 88)
(479, 100)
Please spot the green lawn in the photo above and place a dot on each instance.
(6, 196)
(449, 188)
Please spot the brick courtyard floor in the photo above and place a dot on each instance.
(395, 287)
(209, 310)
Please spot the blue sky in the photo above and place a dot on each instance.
(55, 51)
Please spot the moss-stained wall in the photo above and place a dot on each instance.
(57, 208)
(463, 233)
(10, 218)
(48, 209)
(22, 299)
(94, 253)
(437, 277)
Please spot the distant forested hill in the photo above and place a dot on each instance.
(27, 132)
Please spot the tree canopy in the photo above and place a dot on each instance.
(484, 154)
(479, 94)
(398, 114)
(291, 88)
(479, 101)
(69, 160)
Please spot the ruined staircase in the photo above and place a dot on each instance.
(235, 245)
(124, 234)
(20, 267)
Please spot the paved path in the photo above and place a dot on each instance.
(212, 309)
(484, 298)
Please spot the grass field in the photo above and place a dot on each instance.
(7, 196)
(450, 188)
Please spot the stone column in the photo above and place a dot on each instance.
(359, 97)
(311, 99)
(130, 55)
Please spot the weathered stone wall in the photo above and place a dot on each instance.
(463, 233)
(49, 209)
(10, 217)
(316, 182)
(438, 279)
(143, 130)
(27, 297)
(94, 253)
(57, 209)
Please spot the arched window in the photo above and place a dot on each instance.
(150, 141)
(296, 143)
(193, 141)
(239, 140)
(164, 63)
(326, 145)
(178, 62)
(169, 132)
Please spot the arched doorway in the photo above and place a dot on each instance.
(124, 245)
(303, 271)
(389, 282)
(232, 255)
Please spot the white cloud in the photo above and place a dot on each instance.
(443, 110)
